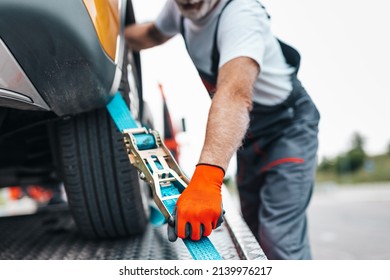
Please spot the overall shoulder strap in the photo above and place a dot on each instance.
(291, 55)
(182, 31)
(215, 52)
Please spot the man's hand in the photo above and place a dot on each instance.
(199, 207)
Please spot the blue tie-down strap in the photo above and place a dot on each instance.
(120, 114)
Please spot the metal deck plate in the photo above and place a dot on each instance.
(52, 234)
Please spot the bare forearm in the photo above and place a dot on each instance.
(227, 123)
(143, 36)
(229, 112)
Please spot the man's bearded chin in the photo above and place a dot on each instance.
(195, 9)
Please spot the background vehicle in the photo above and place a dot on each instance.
(60, 64)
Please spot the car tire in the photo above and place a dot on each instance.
(102, 187)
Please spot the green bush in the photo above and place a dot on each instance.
(352, 161)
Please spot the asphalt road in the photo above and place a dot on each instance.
(350, 222)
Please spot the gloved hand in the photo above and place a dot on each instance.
(199, 208)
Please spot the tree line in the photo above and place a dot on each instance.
(348, 162)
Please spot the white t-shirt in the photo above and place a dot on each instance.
(244, 30)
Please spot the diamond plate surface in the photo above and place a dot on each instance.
(51, 234)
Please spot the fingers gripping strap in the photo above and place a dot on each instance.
(199, 250)
(120, 114)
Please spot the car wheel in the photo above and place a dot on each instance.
(102, 187)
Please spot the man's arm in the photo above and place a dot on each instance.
(199, 207)
(143, 36)
(229, 113)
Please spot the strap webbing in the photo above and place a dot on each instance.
(120, 114)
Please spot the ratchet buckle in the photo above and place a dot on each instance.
(156, 165)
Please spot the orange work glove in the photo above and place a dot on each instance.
(199, 207)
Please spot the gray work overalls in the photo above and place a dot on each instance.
(276, 164)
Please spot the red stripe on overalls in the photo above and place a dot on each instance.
(211, 88)
(281, 161)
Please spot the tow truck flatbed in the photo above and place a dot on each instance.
(51, 234)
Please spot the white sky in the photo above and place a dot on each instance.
(345, 48)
